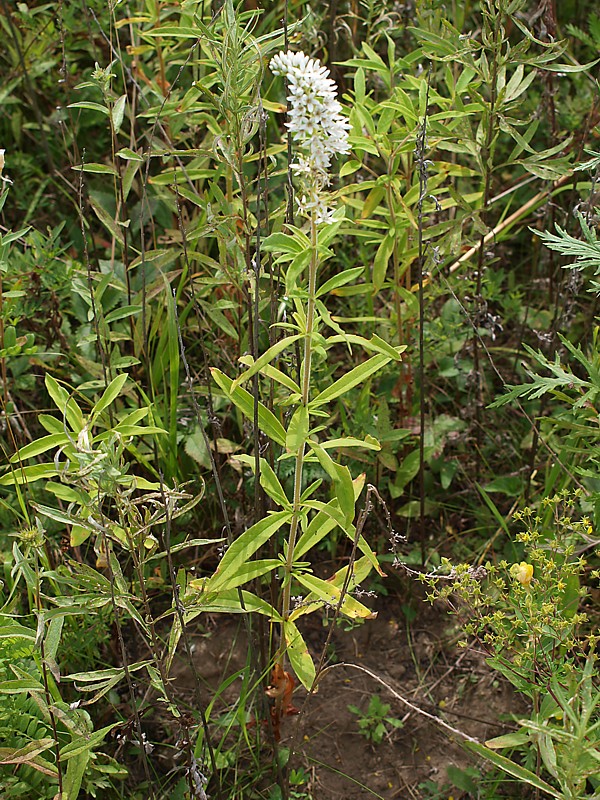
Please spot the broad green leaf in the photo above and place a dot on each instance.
(79, 535)
(81, 744)
(272, 486)
(268, 422)
(280, 243)
(516, 739)
(51, 642)
(122, 313)
(62, 516)
(235, 601)
(320, 525)
(18, 686)
(243, 548)
(76, 767)
(10, 629)
(298, 654)
(350, 380)
(129, 155)
(269, 371)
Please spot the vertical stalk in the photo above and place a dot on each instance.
(305, 385)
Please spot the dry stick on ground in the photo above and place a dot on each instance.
(398, 696)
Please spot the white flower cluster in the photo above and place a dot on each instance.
(315, 123)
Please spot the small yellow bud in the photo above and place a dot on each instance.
(522, 572)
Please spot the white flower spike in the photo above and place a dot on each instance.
(315, 124)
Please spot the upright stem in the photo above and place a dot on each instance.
(306, 370)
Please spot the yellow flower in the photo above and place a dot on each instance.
(523, 572)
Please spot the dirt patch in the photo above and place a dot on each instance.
(408, 650)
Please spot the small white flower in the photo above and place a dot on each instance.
(3, 179)
(315, 124)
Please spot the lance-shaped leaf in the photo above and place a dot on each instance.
(243, 548)
(65, 403)
(326, 593)
(360, 569)
(342, 480)
(267, 421)
(298, 654)
(245, 572)
(268, 480)
(264, 359)
(41, 445)
(22, 475)
(516, 770)
(350, 380)
(112, 391)
(297, 431)
(29, 755)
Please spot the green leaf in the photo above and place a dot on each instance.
(298, 654)
(129, 155)
(382, 257)
(107, 220)
(122, 313)
(341, 279)
(243, 548)
(284, 243)
(81, 743)
(513, 769)
(264, 359)
(369, 443)
(112, 391)
(272, 486)
(342, 480)
(516, 739)
(329, 594)
(297, 432)
(91, 107)
(267, 421)
(40, 446)
(320, 525)
(65, 403)
(99, 169)
(375, 344)
(245, 572)
(235, 601)
(350, 380)
(24, 475)
(118, 112)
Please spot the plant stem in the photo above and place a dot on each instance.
(306, 371)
